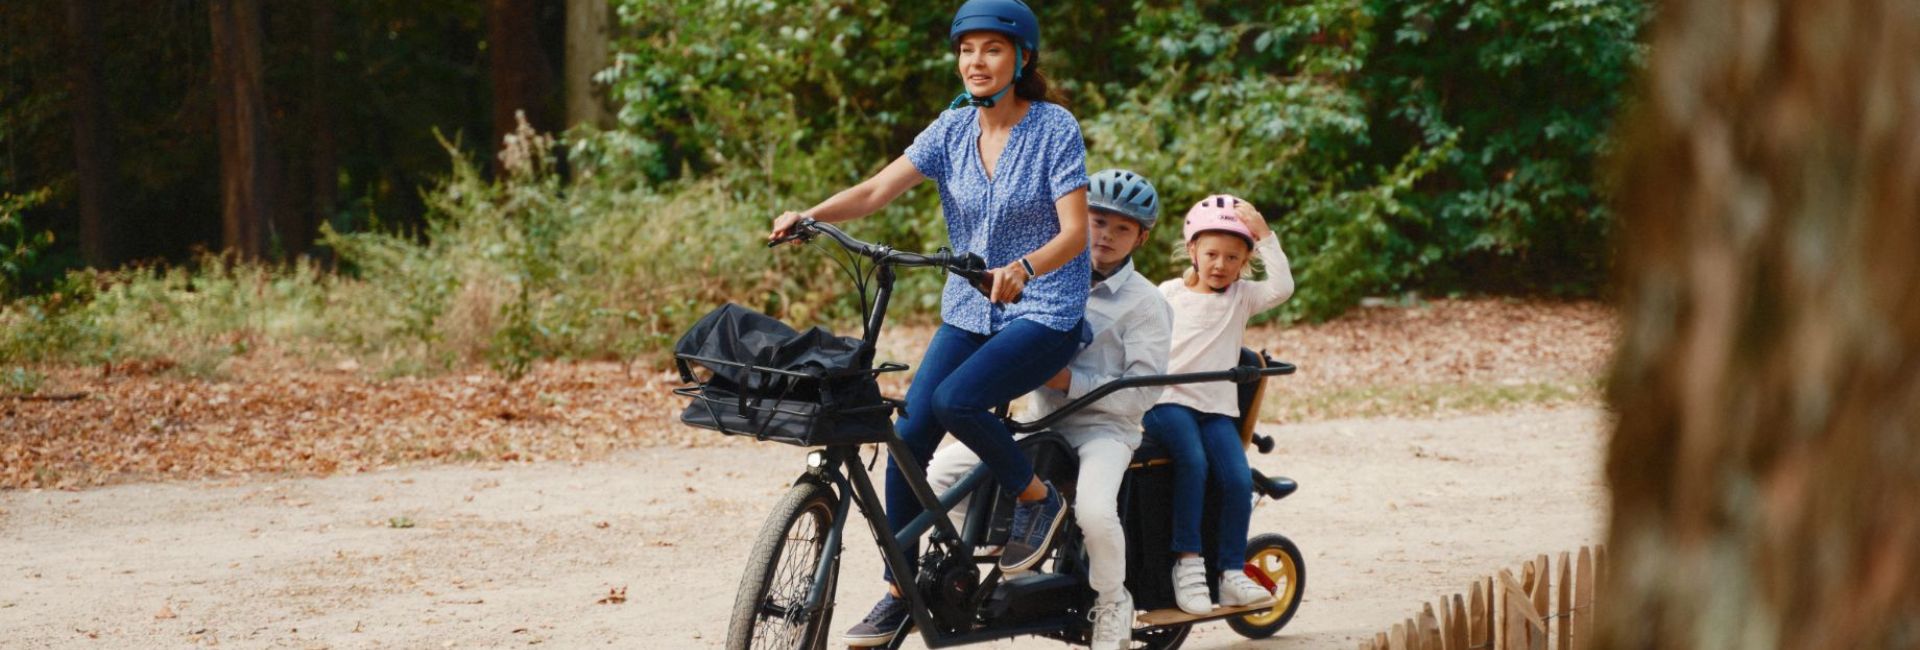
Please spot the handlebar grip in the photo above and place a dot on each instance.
(986, 290)
(800, 231)
(1263, 443)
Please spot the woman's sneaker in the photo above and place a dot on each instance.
(1238, 590)
(1190, 586)
(1032, 531)
(878, 628)
(1113, 623)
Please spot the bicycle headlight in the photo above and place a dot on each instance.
(816, 460)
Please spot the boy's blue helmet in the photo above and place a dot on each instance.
(1010, 17)
(1125, 193)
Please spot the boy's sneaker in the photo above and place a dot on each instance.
(878, 628)
(1032, 531)
(1190, 586)
(1238, 590)
(1113, 623)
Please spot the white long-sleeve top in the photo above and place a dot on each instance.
(1131, 327)
(1208, 328)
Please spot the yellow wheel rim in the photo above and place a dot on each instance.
(1279, 567)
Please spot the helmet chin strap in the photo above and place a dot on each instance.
(969, 99)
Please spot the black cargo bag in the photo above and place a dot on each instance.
(755, 376)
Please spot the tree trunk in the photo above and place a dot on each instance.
(92, 141)
(241, 114)
(518, 67)
(325, 172)
(1766, 464)
(586, 56)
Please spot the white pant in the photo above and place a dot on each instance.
(1103, 462)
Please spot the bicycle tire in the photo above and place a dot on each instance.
(780, 572)
(1280, 559)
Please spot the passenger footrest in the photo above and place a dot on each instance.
(1175, 616)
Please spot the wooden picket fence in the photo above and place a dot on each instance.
(1508, 612)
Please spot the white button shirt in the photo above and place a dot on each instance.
(1132, 326)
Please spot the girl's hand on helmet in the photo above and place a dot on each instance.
(1008, 282)
(783, 224)
(1256, 223)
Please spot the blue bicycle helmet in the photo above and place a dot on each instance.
(1010, 17)
(1125, 193)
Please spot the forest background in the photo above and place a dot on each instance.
(428, 185)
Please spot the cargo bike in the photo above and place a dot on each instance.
(751, 375)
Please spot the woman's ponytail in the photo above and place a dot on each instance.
(1033, 85)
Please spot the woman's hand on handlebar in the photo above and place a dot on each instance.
(1008, 282)
(783, 225)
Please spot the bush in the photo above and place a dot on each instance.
(19, 248)
(1406, 145)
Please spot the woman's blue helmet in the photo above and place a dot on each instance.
(1125, 193)
(1010, 17)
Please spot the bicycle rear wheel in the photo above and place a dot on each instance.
(1279, 560)
(769, 610)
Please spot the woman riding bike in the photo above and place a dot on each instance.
(1011, 171)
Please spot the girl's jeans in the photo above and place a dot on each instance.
(962, 377)
(1199, 442)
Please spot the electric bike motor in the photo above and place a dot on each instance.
(949, 581)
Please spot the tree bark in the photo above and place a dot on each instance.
(518, 68)
(241, 114)
(325, 171)
(92, 137)
(1766, 463)
(586, 56)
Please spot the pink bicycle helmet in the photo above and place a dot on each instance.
(1215, 213)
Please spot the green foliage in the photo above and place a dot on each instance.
(1395, 145)
(1404, 144)
(1528, 90)
(20, 249)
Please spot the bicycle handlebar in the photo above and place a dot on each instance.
(968, 266)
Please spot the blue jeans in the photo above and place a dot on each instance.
(962, 377)
(1199, 442)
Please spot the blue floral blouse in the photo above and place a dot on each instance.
(1010, 215)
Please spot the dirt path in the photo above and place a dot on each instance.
(1391, 512)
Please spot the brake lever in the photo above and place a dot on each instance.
(976, 274)
(801, 231)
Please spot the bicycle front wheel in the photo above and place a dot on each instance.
(769, 610)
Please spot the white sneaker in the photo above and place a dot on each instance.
(1113, 623)
(1238, 590)
(1190, 586)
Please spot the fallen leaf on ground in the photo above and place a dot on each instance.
(614, 596)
